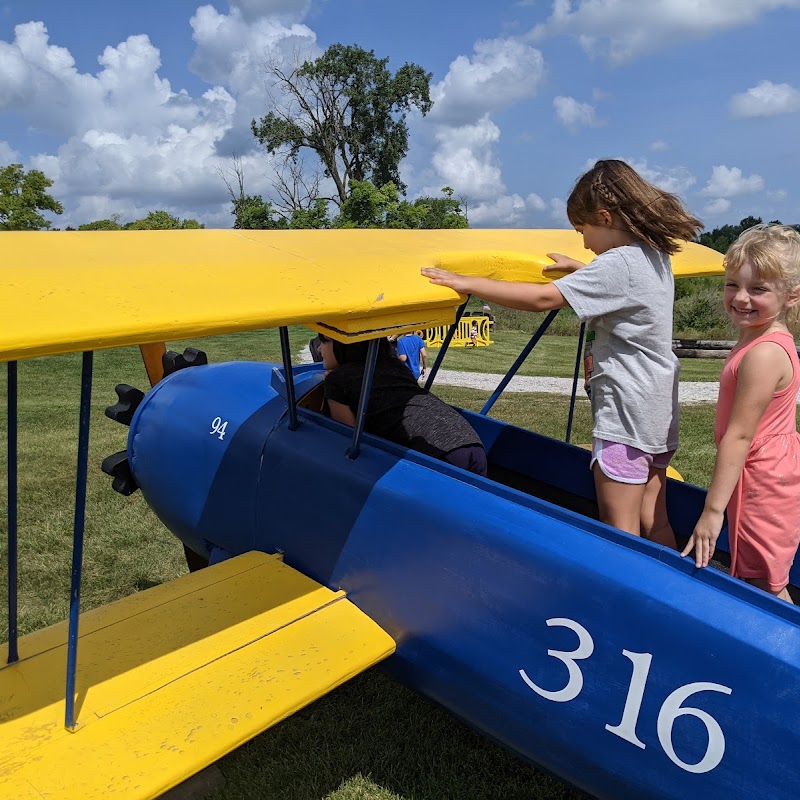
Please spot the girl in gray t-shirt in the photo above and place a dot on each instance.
(625, 295)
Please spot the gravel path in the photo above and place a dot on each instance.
(689, 391)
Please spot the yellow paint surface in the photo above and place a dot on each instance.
(172, 678)
(70, 291)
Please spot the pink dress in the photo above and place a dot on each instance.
(764, 510)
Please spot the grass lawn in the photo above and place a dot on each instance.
(369, 740)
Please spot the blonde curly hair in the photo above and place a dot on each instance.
(774, 251)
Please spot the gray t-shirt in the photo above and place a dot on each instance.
(626, 296)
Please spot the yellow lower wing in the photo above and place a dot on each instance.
(173, 678)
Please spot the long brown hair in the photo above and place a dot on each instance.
(653, 216)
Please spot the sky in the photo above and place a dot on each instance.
(133, 107)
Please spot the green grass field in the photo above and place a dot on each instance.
(369, 740)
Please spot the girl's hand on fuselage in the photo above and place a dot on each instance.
(563, 264)
(704, 537)
(442, 277)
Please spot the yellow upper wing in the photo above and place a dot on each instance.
(72, 291)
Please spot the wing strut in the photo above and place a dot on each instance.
(13, 655)
(77, 535)
(446, 343)
(578, 354)
(363, 401)
(518, 363)
(286, 354)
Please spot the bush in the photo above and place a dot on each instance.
(698, 314)
(690, 286)
(509, 319)
(701, 316)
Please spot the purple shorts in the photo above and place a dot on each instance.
(627, 464)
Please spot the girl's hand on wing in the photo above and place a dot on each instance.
(563, 263)
(442, 277)
(704, 538)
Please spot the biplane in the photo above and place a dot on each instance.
(605, 659)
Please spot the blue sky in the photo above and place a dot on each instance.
(140, 108)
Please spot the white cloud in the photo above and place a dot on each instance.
(730, 182)
(464, 159)
(39, 81)
(659, 146)
(558, 212)
(622, 30)
(767, 99)
(500, 73)
(506, 211)
(234, 51)
(676, 180)
(718, 206)
(257, 9)
(8, 155)
(535, 202)
(574, 115)
(131, 142)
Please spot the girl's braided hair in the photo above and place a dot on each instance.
(774, 251)
(652, 215)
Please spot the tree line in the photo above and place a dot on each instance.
(24, 195)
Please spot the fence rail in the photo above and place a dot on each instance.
(701, 348)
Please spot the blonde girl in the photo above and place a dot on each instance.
(625, 295)
(757, 471)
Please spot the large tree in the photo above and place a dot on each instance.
(111, 224)
(441, 212)
(250, 211)
(370, 207)
(161, 221)
(154, 221)
(22, 196)
(350, 110)
(722, 238)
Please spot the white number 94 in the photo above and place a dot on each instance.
(218, 428)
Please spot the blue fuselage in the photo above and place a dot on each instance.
(605, 659)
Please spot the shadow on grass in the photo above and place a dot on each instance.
(140, 584)
(373, 739)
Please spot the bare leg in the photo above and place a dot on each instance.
(654, 519)
(620, 504)
(760, 583)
